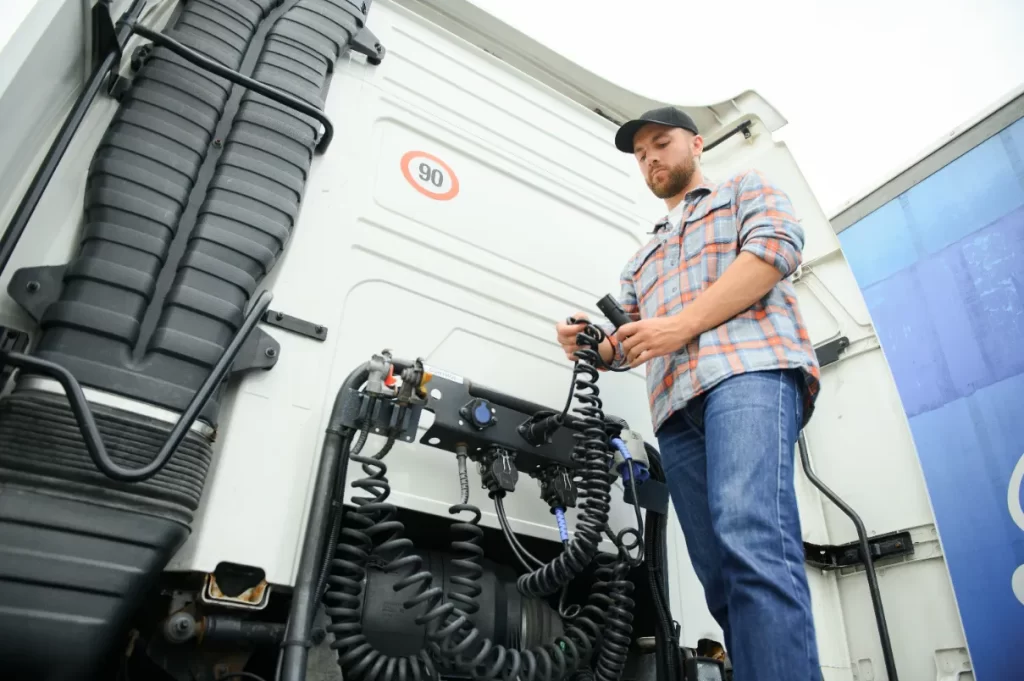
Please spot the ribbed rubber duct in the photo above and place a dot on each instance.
(190, 200)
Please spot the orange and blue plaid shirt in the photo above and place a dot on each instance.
(745, 214)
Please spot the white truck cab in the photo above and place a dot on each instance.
(469, 198)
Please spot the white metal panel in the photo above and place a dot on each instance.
(540, 228)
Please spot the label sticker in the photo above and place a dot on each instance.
(430, 176)
(454, 378)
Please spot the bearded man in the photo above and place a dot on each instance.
(732, 378)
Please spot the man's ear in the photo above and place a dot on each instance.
(697, 145)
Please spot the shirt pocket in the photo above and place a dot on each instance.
(712, 223)
(643, 268)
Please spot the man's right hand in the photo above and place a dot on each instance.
(566, 334)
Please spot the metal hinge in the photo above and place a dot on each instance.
(830, 557)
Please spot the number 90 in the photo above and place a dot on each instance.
(434, 176)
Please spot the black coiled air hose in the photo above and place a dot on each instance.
(480, 656)
(371, 529)
(592, 452)
(617, 632)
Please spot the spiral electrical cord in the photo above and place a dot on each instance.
(614, 589)
(591, 451)
(371, 530)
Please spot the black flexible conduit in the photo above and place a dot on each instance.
(330, 477)
(865, 552)
(97, 79)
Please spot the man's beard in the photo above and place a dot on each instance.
(677, 180)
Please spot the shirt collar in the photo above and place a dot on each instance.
(692, 197)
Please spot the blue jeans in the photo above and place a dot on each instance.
(728, 459)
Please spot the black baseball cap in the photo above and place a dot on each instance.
(668, 115)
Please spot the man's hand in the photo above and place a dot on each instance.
(646, 339)
(566, 334)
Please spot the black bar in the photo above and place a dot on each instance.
(865, 549)
(237, 78)
(829, 557)
(530, 408)
(20, 220)
(87, 423)
(295, 325)
(743, 127)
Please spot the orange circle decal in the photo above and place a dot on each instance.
(430, 176)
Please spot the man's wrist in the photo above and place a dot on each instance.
(687, 325)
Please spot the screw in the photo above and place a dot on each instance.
(32, 286)
(280, 316)
(270, 352)
(319, 329)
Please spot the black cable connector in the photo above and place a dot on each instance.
(498, 473)
(557, 488)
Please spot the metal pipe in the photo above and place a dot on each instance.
(865, 550)
(87, 422)
(237, 78)
(22, 215)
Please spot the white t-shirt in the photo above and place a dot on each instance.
(676, 215)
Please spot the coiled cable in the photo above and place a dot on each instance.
(592, 453)
(614, 589)
(480, 656)
(371, 529)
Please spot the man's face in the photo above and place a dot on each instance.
(667, 158)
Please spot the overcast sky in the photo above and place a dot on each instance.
(866, 85)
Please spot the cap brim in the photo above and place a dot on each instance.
(627, 131)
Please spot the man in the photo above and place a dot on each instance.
(732, 377)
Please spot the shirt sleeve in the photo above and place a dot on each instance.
(768, 225)
(628, 301)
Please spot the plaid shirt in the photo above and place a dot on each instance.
(745, 214)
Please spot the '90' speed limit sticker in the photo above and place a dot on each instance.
(430, 176)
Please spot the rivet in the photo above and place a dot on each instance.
(271, 352)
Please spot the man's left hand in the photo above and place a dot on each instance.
(646, 339)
